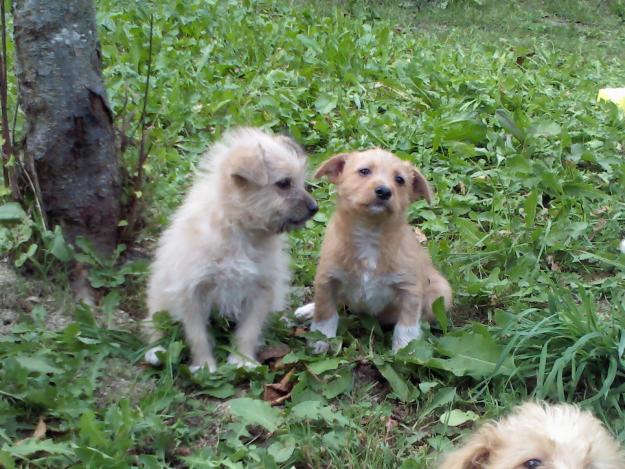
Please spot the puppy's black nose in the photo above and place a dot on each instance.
(383, 192)
(312, 208)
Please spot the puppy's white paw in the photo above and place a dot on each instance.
(306, 312)
(210, 366)
(327, 328)
(242, 362)
(621, 247)
(403, 335)
(151, 357)
(320, 347)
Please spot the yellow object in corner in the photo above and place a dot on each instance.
(616, 95)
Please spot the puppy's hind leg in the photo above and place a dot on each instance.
(437, 287)
(152, 334)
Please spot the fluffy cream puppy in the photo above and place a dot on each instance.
(370, 259)
(224, 251)
(540, 436)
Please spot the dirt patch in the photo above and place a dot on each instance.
(20, 295)
(121, 379)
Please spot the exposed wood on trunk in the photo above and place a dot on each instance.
(70, 141)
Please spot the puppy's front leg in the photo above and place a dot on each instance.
(197, 337)
(407, 328)
(325, 317)
(249, 330)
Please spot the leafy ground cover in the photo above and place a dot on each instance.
(495, 101)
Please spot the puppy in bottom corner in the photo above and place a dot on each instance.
(370, 259)
(225, 251)
(540, 436)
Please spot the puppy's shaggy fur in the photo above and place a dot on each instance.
(224, 251)
(371, 260)
(540, 436)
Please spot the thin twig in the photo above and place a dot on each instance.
(143, 154)
(7, 147)
(14, 126)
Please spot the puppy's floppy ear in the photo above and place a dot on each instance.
(247, 164)
(332, 167)
(475, 453)
(420, 187)
(292, 144)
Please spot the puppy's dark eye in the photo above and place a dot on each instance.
(284, 183)
(400, 180)
(532, 463)
(364, 171)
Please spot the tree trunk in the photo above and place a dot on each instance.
(70, 141)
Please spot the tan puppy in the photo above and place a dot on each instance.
(370, 259)
(540, 436)
(225, 251)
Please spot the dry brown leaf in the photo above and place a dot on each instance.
(40, 432)
(183, 451)
(276, 351)
(390, 424)
(601, 210)
(553, 265)
(277, 393)
(40, 429)
(600, 225)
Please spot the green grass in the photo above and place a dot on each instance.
(494, 101)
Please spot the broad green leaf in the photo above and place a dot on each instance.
(307, 410)
(443, 397)
(398, 385)
(418, 352)
(325, 104)
(411, 463)
(110, 302)
(427, 386)
(37, 364)
(457, 417)
(256, 412)
(464, 129)
(508, 124)
(91, 429)
(343, 383)
(438, 308)
(21, 260)
(472, 354)
(221, 392)
(324, 365)
(530, 208)
(32, 446)
(59, 248)
(11, 211)
(544, 129)
(582, 189)
(282, 449)
(469, 230)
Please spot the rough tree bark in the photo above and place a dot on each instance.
(69, 139)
